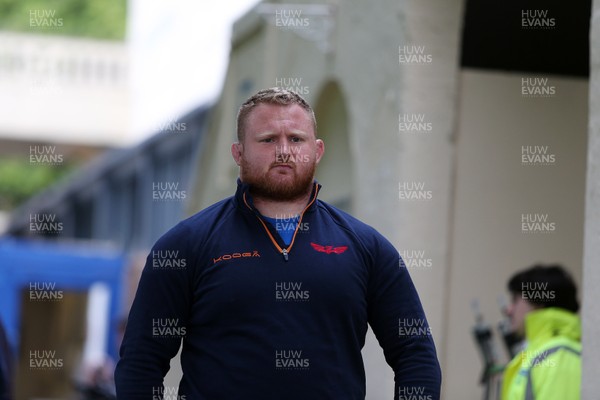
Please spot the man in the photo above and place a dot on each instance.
(278, 287)
(6, 365)
(544, 310)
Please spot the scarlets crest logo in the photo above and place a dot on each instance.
(329, 249)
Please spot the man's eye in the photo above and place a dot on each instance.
(268, 140)
(296, 139)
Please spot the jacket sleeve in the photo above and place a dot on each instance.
(157, 319)
(399, 323)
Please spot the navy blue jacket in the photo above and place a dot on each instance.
(261, 320)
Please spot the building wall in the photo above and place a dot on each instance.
(464, 239)
(492, 191)
(65, 90)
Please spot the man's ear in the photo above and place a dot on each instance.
(320, 149)
(236, 152)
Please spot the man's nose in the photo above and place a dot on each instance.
(283, 149)
(508, 310)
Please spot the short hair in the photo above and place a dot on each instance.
(274, 95)
(557, 284)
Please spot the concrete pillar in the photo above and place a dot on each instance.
(591, 258)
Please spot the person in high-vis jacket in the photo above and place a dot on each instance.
(544, 309)
(271, 290)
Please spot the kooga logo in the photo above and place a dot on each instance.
(231, 256)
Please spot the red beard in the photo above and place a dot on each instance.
(278, 187)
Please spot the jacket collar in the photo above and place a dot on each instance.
(546, 323)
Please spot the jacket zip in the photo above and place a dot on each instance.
(284, 251)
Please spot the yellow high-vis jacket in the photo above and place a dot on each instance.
(549, 368)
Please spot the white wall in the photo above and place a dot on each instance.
(62, 89)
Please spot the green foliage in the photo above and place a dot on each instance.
(102, 19)
(19, 180)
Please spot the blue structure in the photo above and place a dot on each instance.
(71, 268)
(123, 200)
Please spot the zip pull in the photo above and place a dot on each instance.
(285, 254)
